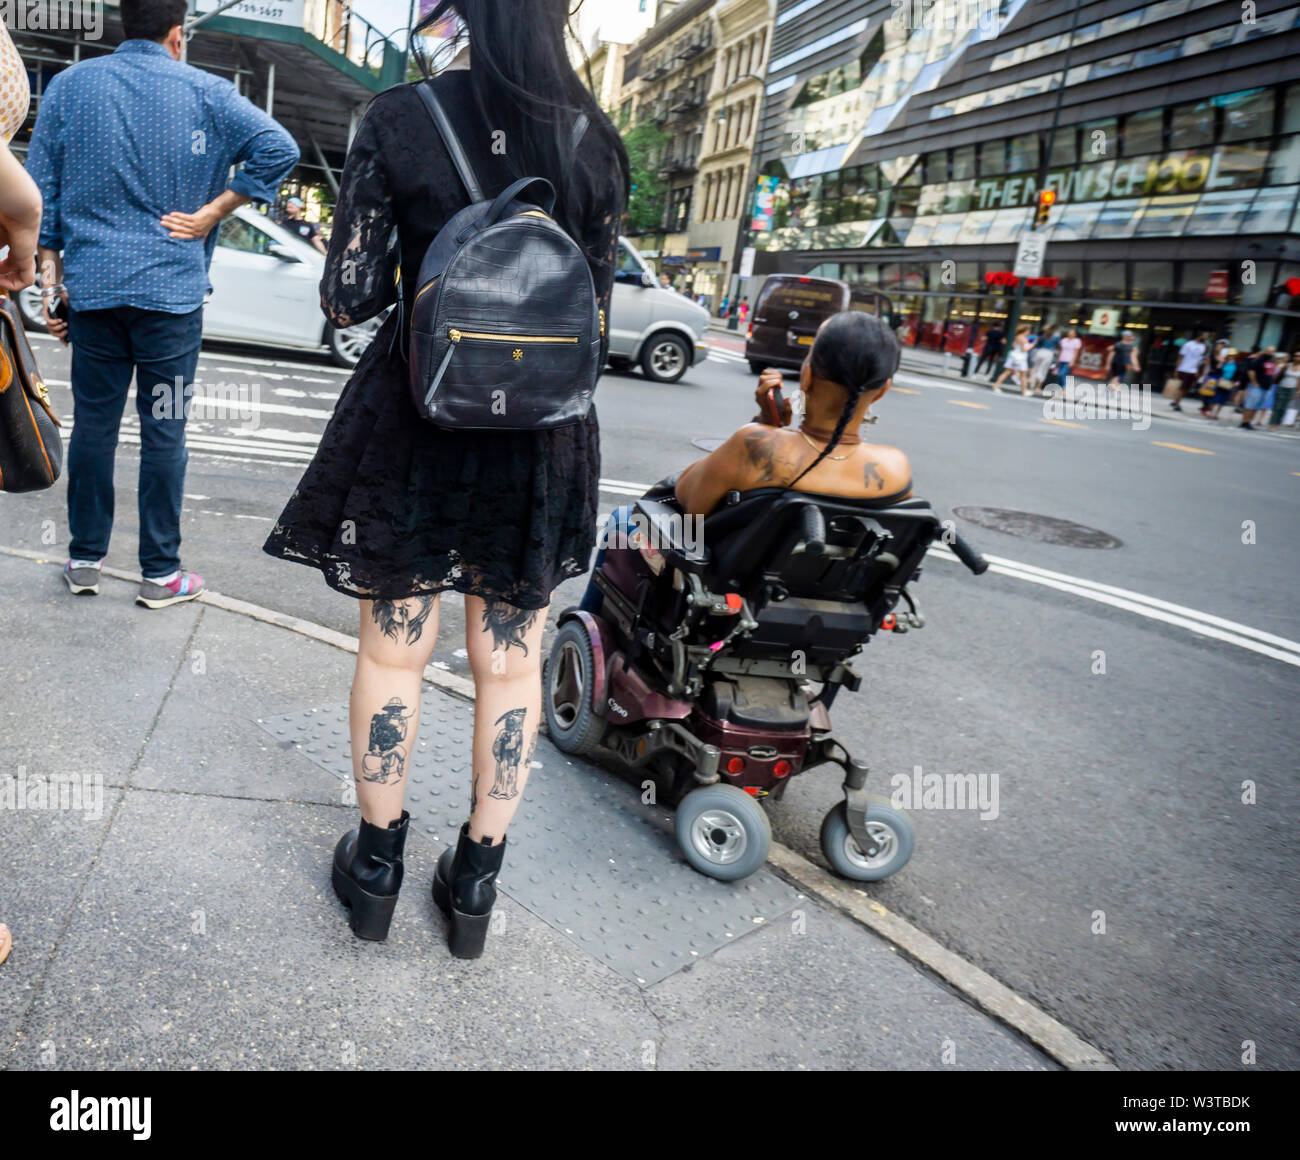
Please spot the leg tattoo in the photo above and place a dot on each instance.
(508, 751)
(395, 617)
(507, 624)
(385, 760)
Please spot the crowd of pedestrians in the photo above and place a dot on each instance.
(1258, 384)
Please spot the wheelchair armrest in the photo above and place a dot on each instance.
(664, 525)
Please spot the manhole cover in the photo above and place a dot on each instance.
(708, 443)
(1044, 529)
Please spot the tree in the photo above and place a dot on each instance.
(646, 145)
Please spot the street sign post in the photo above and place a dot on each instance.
(1029, 254)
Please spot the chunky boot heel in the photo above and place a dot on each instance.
(464, 889)
(367, 875)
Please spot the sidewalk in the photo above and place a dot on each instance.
(189, 922)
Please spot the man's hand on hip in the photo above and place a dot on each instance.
(191, 225)
(199, 223)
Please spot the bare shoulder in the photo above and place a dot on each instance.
(893, 470)
(761, 455)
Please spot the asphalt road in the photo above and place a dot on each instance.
(1123, 884)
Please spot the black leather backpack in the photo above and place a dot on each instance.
(505, 325)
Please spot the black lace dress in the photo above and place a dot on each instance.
(392, 506)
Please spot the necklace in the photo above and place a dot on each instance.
(814, 446)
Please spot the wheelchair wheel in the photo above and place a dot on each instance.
(891, 828)
(566, 692)
(723, 832)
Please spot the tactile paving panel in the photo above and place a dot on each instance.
(586, 856)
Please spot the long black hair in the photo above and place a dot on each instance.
(858, 352)
(524, 84)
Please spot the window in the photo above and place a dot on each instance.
(1220, 213)
(1194, 280)
(1070, 275)
(993, 158)
(1284, 165)
(1247, 114)
(1166, 216)
(1022, 154)
(963, 162)
(1153, 281)
(1106, 279)
(1240, 166)
(1143, 133)
(1065, 146)
(935, 167)
(1191, 125)
(1117, 219)
(1270, 212)
(629, 265)
(1291, 110)
(1098, 139)
(237, 234)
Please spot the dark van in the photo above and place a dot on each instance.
(789, 310)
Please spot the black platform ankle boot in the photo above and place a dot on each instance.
(464, 887)
(368, 875)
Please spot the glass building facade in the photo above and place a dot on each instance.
(909, 154)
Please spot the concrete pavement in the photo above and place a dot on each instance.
(178, 913)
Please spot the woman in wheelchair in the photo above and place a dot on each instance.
(850, 367)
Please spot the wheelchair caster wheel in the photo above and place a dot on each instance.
(723, 832)
(892, 830)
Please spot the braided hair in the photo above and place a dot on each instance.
(858, 352)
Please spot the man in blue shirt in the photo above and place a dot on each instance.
(132, 153)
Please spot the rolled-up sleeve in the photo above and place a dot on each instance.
(264, 150)
(45, 164)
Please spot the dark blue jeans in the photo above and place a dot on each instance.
(107, 347)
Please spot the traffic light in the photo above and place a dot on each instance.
(1046, 199)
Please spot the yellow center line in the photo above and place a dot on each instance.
(1182, 447)
(904, 391)
(963, 403)
(1065, 423)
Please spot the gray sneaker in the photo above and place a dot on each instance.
(186, 586)
(82, 580)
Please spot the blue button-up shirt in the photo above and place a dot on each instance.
(124, 139)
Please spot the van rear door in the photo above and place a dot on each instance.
(791, 309)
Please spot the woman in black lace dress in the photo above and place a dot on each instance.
(393, 510)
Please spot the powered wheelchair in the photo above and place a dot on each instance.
(713, 666)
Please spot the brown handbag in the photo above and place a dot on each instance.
(31, 448)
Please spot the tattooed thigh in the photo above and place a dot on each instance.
(507, 624)
(403, 619)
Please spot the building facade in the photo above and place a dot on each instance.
(667, 78)
(726, 156)
(904, 144)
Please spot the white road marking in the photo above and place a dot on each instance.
(1201, 623)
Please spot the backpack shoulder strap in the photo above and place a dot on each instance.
(456, 151)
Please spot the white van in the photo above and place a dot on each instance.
(659, 329)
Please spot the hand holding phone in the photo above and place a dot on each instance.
(772, 405)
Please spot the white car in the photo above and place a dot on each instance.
(660, 329)
(265, 290)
